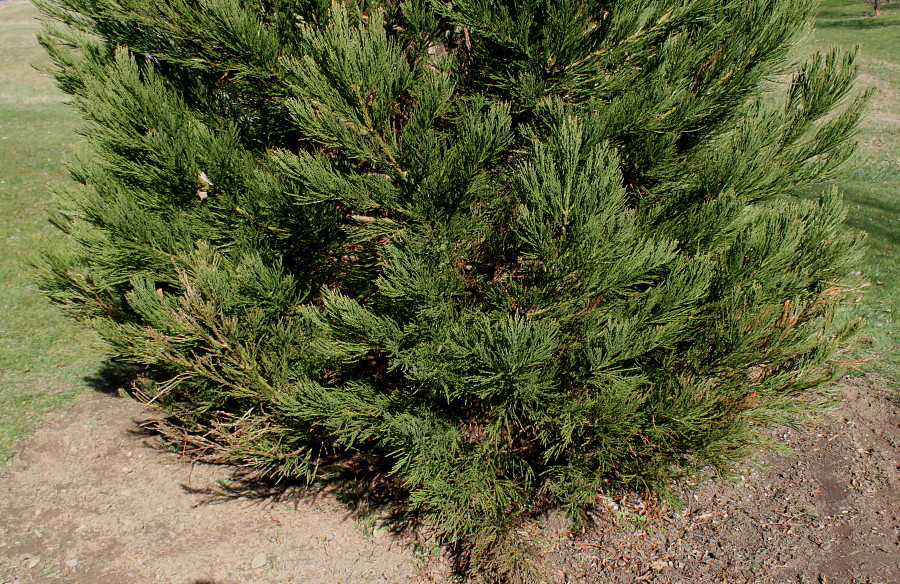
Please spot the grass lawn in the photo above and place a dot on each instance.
(872, 188)
(45, 359)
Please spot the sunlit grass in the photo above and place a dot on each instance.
(44, 358)
(872, 187)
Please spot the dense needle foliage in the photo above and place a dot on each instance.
(514, 253)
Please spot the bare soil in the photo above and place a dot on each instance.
(91, 498)
(828, 513)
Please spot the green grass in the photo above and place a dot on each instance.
(852, 22)
(44, 359)
(872, 188)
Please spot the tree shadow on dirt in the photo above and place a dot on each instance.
(361, 483)
(362, 488)
(113, 378)
(365, 491)
(358, 481)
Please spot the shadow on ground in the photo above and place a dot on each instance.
(113, 378)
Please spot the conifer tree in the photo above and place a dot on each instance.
(515, 253)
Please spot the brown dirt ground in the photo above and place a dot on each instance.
(91, 498)
(829, 513)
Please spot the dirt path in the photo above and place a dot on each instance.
(90, 499)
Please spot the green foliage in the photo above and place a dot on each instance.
(513, 253)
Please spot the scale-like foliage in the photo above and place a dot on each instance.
(515, 253)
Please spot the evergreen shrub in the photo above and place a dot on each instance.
(514, 254)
